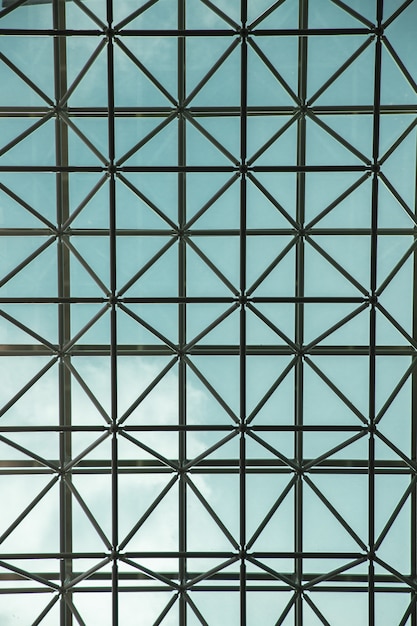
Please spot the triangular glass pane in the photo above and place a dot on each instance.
(391, 248)
(162, 317)
(95, 130)
(202, 53)
(37, 189)
(220, 443)
(149, 605)
(391, 128)
(223, 252)
(391, 214)
(158, 55)
(161, 405)
(159, 532)
(223, 374)
(356, 129)
(321, 404)
(16, 605)
(231, 8)
(37, 149)
(223, 88)
(132, 88)
(389, 372)
(389, 609)
(160, 150)
(353, 87)
(37, 277)
(202, 408)
(265, 606)
(282, 442)
(323, 188)
(201, 151)
(41, 318)
(201, 187)
(352, 212)
(224, 213)
(224, 333)
(216, 606)
(326, 55)
(76, 18)
(131, 332)
(319, 317)
(134, 252)
(92, 89)
(282, 52)
(262, 492)
(278, 534)
(282, 187)
(202, 528)
(95, 372)
(221, 492)
(226, 130)
(348, 494)
(349, 374)
(159, 16)
(395, 548)
(400, 165)
(259, 333)
(323, 279)
(134, 213)
(261, 373)
(397, 32)
(260, 129)
(199, 16)
(262, 251)
(280, 280)
(335, 606)
(322, 148)
(135, 374)
(263, 86)
(34, 57)
(39, 530)
(28, 16)
(284, 16)
(395, 424)
(161, 188)
(92, 215)
(93, 606)
(326, 533)
(12, 127)
(201, 280)
(329, 15)
(95, 251)
(261, 213)
(131, 130)
(279, 407)
(349, 251)
(395, 88)
(96, 493)
(387, 334)
(161, 279)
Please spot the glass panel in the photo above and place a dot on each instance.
(207, 312)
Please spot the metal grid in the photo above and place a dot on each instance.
(218, 292)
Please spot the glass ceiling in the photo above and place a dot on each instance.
(207, 312)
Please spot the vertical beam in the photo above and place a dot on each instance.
(372, 318)
(113, 310)
(299, 306)
(413, 430)
(242, 346)
(182, 311)
(64, 309)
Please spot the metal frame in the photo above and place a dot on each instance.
(242, 569)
